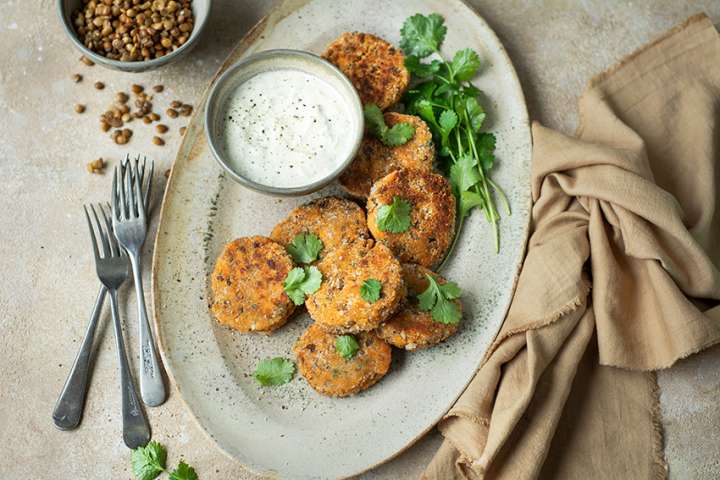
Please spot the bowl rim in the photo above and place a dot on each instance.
(128, 66)
(212, 109)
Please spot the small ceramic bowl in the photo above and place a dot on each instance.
(270, 60)
(201, 12)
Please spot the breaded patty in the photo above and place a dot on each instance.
(338, 306)
(329, 373)
(336, 221)
(374, 159)
(432, 215)
(374, 66)
(247, 285)
(412, 328)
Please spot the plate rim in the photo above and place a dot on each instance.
(276, 14)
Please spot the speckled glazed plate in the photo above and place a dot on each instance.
(291, 430)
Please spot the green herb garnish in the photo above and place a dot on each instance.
(346, 346)
(183, 472)
(448, 102)
(149, 461)
(437, 299)
(305, 248)
(394, 136)
(275, 371)
(394, 218)
(301, 281)
(370, 290)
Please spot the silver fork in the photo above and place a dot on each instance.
(71, 402)
(112, 270)
(130, 225)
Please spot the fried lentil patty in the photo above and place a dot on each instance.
(374, 159)
(247, 285)
(374, 66)
(336, 221)
(410, 327)
(331, 374)
(338, 306)
(432, 215)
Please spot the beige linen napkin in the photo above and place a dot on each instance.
(621, 278)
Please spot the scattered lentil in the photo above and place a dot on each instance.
(79, 108)
(121, 97)
(186, 110)
(136, 89)
(172, 113)
(154, 116)
(96, 166)
(176, 104)
(182, 130)
(99, 85)
(160, 128)
(87, 61)
(77, 78)
(158, 141)
(158, 88)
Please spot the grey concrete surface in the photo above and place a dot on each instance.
(48, 283)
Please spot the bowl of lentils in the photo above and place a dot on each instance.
(133, 35)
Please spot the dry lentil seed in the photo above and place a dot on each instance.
(96, 166)
(137, 89)
(158, 141)
(99, 85)
(160, 128)
(121, 97)
(147, 120)
(104, 126)
(172, 113)
(77, 78)
(186, 110)
(158, 88)
(183, 130)
(176, 104)
(79, 108)
(126, 117)
(154, 116)
(87, 61)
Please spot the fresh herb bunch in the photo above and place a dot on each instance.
(444, 97)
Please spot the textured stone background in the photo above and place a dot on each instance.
(48, 282)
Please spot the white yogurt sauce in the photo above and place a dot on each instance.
(286, 128)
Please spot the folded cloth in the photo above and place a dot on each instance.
(621, 278)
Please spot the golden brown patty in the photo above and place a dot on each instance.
(375, 67)
(432, 216)
(338, 306)
(329, 373)
(336, 221)
(375, 159)
(412, 328)
(247, 285)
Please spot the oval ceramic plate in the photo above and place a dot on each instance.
(291, 430)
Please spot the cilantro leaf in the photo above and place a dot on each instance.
(465, 64)
(422, 35)
(394, 218)
(374, 120)
(420, 69)
(370, 290)
(275, 371)
(301, 281)
(346, 346)
(183, 472)
(468, 201)
(464, 173)
(486, 150)
(437, 299)
(148, 461)
(398, 134)
(305, 248)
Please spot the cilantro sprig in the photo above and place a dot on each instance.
(274, 371)
(438, 300)
(370, 290)
(346, 346)
(149, 461)
(305, 248)
(301, 281)
(398, 134)
(445, 98)
(394, 218)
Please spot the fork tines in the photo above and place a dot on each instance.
(129, 185)
(107, 238)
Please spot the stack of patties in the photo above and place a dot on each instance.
(370, 290)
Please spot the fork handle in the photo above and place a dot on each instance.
(69, 407)
(152, 386)
(136, 429)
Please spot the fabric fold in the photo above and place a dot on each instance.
(621, 277)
